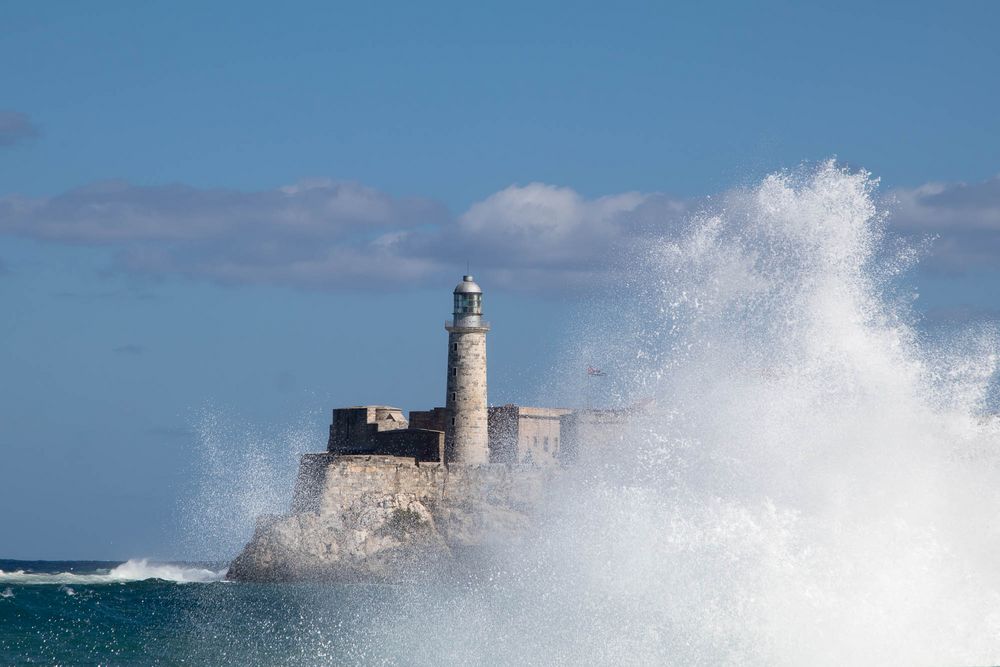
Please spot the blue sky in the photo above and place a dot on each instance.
(263, 207)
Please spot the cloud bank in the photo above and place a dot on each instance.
(15, 127)
(326, 234)
(317, 234)
(965, 218)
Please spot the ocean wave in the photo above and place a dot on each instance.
(131, 570)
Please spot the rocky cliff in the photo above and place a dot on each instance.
(385, 518)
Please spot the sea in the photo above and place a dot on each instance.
(143, 613)
(809, 476)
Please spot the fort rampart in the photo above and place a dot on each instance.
(328, 482)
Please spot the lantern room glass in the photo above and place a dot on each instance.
(468, 304)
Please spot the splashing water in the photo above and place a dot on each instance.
(240, 471)
(814, 484)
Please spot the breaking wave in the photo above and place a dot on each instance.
(132, 570)
(812, 480)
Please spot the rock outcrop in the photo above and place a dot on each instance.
(384, 518)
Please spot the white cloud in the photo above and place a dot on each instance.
(547, 213)
(544, 225)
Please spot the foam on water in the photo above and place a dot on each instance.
(132, 570)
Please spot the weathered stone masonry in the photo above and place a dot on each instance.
(395, 499)
(327, 482)
(382, 429)
(466, 436)
(388, 518)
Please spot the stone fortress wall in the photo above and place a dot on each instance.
(527, 435)
(382, 429)
(391, 496)
(328, 483)
(375, 448)
(518, 434)
(359, 513)
(481, 436)
(371, 518)
(595, 434)
(433, 419)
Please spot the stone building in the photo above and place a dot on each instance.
(466, 430)
(396, 499)
(381, 429)
(594, 433)
(433, 419)
(520, 434)
(466, 435)
(392, 519)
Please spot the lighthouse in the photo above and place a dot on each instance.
(466, 435)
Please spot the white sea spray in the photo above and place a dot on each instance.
(810, 482)
(240, 470)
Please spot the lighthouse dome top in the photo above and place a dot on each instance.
(468, 311)
(468, 286)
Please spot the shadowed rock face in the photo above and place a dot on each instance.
(388, 519)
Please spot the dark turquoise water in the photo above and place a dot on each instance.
(139, 613)
(56, 613)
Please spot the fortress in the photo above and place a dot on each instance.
(464, 431)
(392, 496)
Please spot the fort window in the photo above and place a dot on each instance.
(452, 421)
(453, 394)
(454, 371)
(454, 347)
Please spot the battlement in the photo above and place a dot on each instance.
(382, 429)
(518, 434)
(328, 483)
(434, 419)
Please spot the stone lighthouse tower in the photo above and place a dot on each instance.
(466, 437)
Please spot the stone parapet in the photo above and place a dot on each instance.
(388, 518)
(327, 483)
(378, 429)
